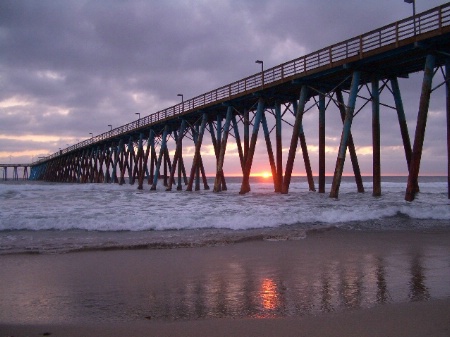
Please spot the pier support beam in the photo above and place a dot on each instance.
(246, 133)
(306, 160)
(294, 139)
(130, 160)
(216, 145)
(162, 151)
(15, 173)
(402, 123)
(279, 150)
(270, 151)
(122, 166)
(165, 163)
(376, 163)
(245, 187)
(447, 87)
(238, 142)
(199, 163)
(222, 147)
(150, 145)
(321, 143)
(139, 167)
(351, 145)
(177, 158)
(197, 158)
(420, 128)
(345, 135)
(152, 162)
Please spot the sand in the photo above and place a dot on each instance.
(334, 283)
(422, 319)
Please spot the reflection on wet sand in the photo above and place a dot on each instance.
(417, 288)
(251, 280)
(269, 295)
(382, 290)
(259, 292)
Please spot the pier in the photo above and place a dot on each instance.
(15, 171)
(339, 79)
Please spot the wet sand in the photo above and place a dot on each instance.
(418, 319)
(333, 283)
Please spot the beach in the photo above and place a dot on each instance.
(410, 320)
(332, 282)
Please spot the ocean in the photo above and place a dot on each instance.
(40, 217)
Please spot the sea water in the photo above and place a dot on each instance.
(39, 217)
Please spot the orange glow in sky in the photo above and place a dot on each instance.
(263, 174)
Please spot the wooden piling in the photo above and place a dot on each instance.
(245, 187)
(279, 147)
(198, 145)
(447, 87)
(420, 128)
(321, 143)
(294, 140)
(345, 135)
(376, 163)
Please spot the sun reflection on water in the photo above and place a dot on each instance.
(269, 294)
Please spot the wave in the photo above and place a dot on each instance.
(71, 241)
(104, 207)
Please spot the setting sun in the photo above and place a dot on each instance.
(263, 174)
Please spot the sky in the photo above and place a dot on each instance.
(70, 68)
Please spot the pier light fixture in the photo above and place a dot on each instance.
(262, 71)
(92, 135)
(182, 101)
(413, 2)
(110, 127)
(139, 117)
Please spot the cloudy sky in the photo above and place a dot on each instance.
(68, 68)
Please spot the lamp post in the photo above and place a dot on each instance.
(110, 127)
(182, 102)
(139, 117)
(262, 71)
(413, 2)
(92, 135)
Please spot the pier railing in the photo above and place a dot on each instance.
(418, 27)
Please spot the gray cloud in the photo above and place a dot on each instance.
(72, 67)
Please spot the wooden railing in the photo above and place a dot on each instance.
(391, 35)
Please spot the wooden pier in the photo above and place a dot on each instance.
(15, 171)
(342, 78)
